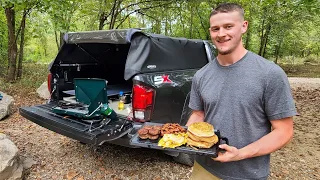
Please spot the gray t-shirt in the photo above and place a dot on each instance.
(240, 100)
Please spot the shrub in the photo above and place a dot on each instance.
(311, 60)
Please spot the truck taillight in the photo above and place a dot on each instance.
(49, 82)
(142, 102)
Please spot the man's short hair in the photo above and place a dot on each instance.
(227, 7)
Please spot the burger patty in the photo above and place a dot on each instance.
(143, 131)
(144, 136)
(149, 132)
(154, 131)
(147, 127)
(153, 137)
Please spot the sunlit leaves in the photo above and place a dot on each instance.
(293, 23)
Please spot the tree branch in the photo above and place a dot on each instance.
(151, 17)
(25, 13)
(138, 11)
(140, 2)
(205, 29)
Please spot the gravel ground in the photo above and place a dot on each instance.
(58, 157)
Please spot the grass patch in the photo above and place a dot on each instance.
(33, 76)
(302, 70)
(311, 59)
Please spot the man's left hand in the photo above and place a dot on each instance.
(231, 154)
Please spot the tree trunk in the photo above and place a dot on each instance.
(182, 23)
(205, 29)
(12, 44)
(191, 22)
(157, 27)
(23, 25)
(261, 38)
(101, 21)
(102, 14)
(57, 41)
(266, 40)
(129, 21)
(277, 50)
(114, 13)
(166, 25)
(248, 38)
(61, 38)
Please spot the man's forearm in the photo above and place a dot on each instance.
(267, 144)
(196, 116)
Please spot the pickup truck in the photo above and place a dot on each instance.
(154, 71)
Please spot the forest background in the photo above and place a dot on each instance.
(31, 31)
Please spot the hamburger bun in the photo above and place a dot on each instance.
(199, 144)
(213, 139)
(201, 129)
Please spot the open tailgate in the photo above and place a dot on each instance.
(84, 132)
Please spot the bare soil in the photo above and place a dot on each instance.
(59, 157)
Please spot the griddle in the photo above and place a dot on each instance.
(153, 144)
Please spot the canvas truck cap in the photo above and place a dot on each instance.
(146, 52)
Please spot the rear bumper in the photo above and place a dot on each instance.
(83, 132)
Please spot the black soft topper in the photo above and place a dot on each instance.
(144, 52)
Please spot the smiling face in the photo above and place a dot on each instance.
(226, 29)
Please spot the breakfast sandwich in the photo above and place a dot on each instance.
(201, 134)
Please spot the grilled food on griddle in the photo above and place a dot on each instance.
(173, 140)
(149, 132)
(201, 134)
(147, 127)
(172, 128)
(154, 131)
(143, 133)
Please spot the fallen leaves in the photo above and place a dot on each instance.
(70, 175)
(80, 178)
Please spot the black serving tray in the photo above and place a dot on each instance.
(153, 144)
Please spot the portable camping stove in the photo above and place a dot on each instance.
(91, 101)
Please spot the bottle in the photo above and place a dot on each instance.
(121, 101)
(109, 112)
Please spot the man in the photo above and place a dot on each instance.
(243, 95)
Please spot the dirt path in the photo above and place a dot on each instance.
(300, 159)
(59, 157)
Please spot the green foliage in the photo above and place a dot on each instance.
(40, 44)
(292, 37)
(312, 59)
(34, 75)
(3, 40)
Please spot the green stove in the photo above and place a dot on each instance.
(91, 101)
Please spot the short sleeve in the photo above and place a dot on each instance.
(278, 99)
(196, 102)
